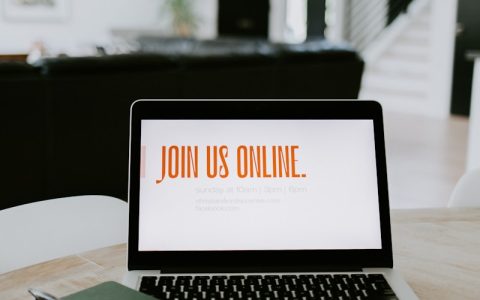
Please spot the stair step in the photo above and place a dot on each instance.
(397, 103)
(420, 58)
(387, 97)
(421, 22)
(400, 84)
(400, 67)
(392, 93)
(410, 49)
(419, 40)
(403, 56)
(416, 34)
(396, 73)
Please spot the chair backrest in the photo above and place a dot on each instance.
(45, 230)
(467, 191)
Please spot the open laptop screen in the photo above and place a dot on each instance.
(209, 185)
(255, 185)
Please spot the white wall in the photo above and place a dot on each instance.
(442, 47)
(91, 21)
(277, 20)
(207, 11)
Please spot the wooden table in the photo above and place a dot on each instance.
(437, 251)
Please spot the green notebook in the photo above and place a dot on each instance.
(109, 290)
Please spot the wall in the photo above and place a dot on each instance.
(277, 20)
(444, 18)
(91, 21)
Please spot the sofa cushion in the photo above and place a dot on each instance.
(135, 62)
(13, 69)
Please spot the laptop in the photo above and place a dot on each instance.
(260, 199)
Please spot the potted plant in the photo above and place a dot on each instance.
(184, 20)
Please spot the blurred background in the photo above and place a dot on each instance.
(69, 69)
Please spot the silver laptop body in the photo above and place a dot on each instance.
(267, 187)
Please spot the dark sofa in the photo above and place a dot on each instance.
(65, 120)
(24, 134)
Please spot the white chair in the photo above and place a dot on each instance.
(467, 191)
(45, 230)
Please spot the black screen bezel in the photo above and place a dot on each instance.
(257, 260)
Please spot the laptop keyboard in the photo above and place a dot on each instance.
(268, 287)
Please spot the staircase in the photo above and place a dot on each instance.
(398, 62)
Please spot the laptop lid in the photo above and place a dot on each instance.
(246, 186)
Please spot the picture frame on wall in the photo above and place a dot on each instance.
(36, 10)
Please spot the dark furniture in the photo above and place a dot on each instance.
(65, 122)
(90, 99)
(25, 132)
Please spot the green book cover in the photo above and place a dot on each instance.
(109, 290)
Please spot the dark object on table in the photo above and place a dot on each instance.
(109, 290)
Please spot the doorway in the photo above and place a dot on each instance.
(468, 38)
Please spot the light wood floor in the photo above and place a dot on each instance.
(425, 158)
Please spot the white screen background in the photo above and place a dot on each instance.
(334, 207)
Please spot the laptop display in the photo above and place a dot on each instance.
(257, 184)
(260, 199)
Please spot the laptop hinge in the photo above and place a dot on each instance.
(335, 269)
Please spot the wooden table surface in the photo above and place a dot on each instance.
(436, 250)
